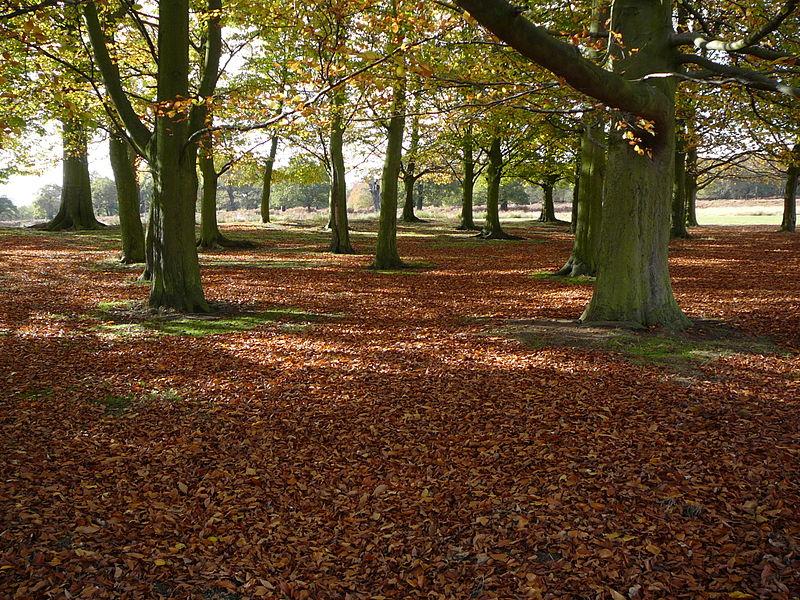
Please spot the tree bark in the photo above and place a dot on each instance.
(679, 191)
(468, 187)
(420, 195)
(123, 163)
(375, 192)
(266, 186)
(492, 230)
(409, 177)
(548, 214)
(338, 224)
(790, 195)
(633, 284)
(589, 206)
(386, 255)
(573, 222)
(210, 235)
(691, 187)
(176, 270)
(76, 211)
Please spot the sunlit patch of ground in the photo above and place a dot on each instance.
(449, 434)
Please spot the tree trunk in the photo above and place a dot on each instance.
(375, 192)
(548, 214)
(338, 224)
(492, 229)
(210, 235)
(266, 186)
(409, 204)
(123, 163)
(409, 178)
(790, 195)
(691, 187)
(176, 270)
(573, 222)
(586, 248)
(386, 255)
(679, 191)
(76, 211)
(468, 189)
(633, 284)
(420, 194)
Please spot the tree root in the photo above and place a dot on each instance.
(497, 235)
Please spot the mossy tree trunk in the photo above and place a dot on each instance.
(76, 211)
(467, 222)
(548, 213)
(789, 222)
(123, 164)
(210, 235)
(633, 284)
(691, 187)
(171, 154)
(492, 230)
(573, 221)
(679, 191)
(586, 247)
(420, 194)
(266, 185)
(386, 255)
(338, 224)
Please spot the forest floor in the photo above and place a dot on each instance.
(445, 431)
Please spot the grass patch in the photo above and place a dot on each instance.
(262, 264)
(130, 318)
(703, 343)
(116, 405)
(560, 279)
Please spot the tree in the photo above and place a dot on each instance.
(633, 284)
(789, 222)
(47, 201)
(76, 210)
(266, 185)
(123, 163)
(171, 152)
(7, 209)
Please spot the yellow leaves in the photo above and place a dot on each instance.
(159, 562)
(740, 595)
(182, 487)
(653, 549)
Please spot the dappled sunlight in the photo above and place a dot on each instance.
(424, 396)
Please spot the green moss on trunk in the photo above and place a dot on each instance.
(123, 163)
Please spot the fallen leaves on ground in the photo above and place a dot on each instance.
(403, 450)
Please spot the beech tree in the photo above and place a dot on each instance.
(646, 62)
(170, 149)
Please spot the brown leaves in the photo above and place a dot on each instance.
(406, 449)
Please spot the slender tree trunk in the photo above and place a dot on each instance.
(339, 226)
(409, 178)
(123, 163)
(679, 189)
(210, 235)
(420, 194)
(548, 214)
(76, 211)
(633, 284)
(691, 187)
(386, 255)
(492, 230)
(176, 270)
(375, 192)
(573, 222)
(790, 195)
(586, 248)
(266, 187)
(467, 192)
